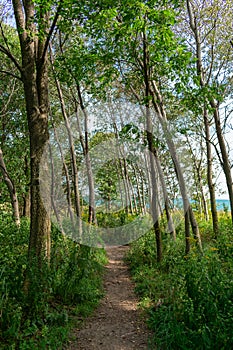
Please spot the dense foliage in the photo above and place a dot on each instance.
(71, 288)
(188, 299)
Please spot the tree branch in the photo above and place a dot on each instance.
(11, 57)
(11, 74)
(51, 30)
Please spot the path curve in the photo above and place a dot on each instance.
(117, 323)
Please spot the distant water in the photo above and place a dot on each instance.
(222, 204)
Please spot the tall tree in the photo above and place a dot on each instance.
(35, 23)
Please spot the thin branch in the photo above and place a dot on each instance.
(11, 57)
(53, 25)
(4, 37)
(11, 74)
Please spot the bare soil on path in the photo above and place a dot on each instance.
(116, 324)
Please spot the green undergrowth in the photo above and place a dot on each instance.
(188, 298)
(72, 288)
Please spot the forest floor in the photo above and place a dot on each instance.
(116, 324)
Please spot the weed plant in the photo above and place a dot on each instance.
(188, 298)
(71, 289)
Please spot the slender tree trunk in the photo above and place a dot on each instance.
(26, 204)
(198, 180)
(139, 197)
(211, 186)
(119, 173)
(187, 232)
(127, 182)
(53, 186)
(68, 188)
(123, 168)
(11, 188)
(135, 205)
(225, 158)
(149, 136)
(171, 227)
(154, 188)
(91, 185)
(72, 154)
(142, 190)
(161, 114)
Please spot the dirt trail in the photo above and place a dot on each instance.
(116, 323)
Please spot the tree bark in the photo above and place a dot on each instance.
(26, 195)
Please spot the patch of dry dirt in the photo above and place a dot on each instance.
(117, 323)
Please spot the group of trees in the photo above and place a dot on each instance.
(156, 77)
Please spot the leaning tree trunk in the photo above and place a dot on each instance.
(161, 114)
(11, 188)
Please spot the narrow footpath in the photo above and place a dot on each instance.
(117, 323)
